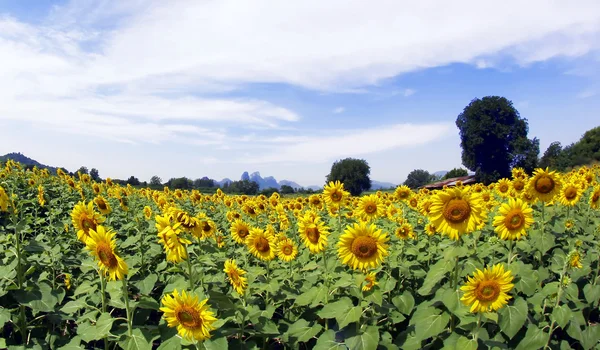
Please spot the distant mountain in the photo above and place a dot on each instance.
(440, 173)
(18, 157)
(315, 188)
(377, 185)
(223, 182)
(292, 184)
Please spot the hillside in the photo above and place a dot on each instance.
(21, 158)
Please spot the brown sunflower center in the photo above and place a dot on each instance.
(413, 203)
(570, 193)
(87, 224)
(503, 188)
(106, 255)
(544, 184)
(487, 291)
(313, 234)
(336, 196)
(101, 204)
(242, 232)
(188, 317)
(595, 197)
(514, 220)
(206, 227)
(370, 209)
(364, 247)
(262, 245)
(457, 210)
(251, 211)
(518, 185)
(287, 250)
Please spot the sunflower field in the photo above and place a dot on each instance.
(512, 265)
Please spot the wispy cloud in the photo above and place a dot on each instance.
(339, 110)
(587, 93)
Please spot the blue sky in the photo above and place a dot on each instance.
(204, 88)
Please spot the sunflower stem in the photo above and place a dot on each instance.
(477, 328)
(510, 251)
(127, 309)
(268, 280)
(558, 295)
(18, 237)
(103, 297)
(189, 264)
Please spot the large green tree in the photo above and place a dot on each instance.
(551, 156)
(494, 139)
(456, 172)
(353, 173)
(418, 178)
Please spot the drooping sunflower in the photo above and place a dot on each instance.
(235, 276)
(362, 246)
(240, 231)
(405, 231)
(430, 229)
(169, 236)
(4, 201)
(487, 290)
(570, 194)
(287, 250)
(595, 198)
(334, 193)
(545, 184)
(575, 260)
(514, 219)
(403, 193)
(261, 244)
(370, 208)
(147, 212)
(84, 219)
(208, 227)
(102, 245)
(313, 232)
(41, 199)
(454, 212)
(192, 317)
(370, 281)
(503, 187)
(188, 222)
(103, 205)
(518, 185)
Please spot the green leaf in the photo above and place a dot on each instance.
(327, 342)
(591, 293)
(138, 341)
(588, 338)
(303, 331)
(436, 273)
(528, 283)
(389, 285)
(366, 340)
(4, 317)
(147, 284)
(215, 343)
(561, 315)
(374, 296)
(353, 315)
(74, 344)
(85, 288)
(512, 317)
(535, 338)
(73, 306)
(307, 297)
(466, 344)
(336, 309)
(429, 322)
(101, 329)
(266, 326)
(405, 302)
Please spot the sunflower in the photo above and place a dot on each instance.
(362, 246)
(334, 193)
(240, 231)
(234, 274)
(430, 229)
(313, 232)
(147, 212)
(208, 227)
(502, 188)
(518, 185)
(514, 219)
(487, 290)
(370, 208)
(455, 212)
(192, 317)
(102, 205)
(595, 198)
(188, 222)
(4, 201)
(518, 173)
(575, 260)
(169, 237)
(261, 244)
(102, 244)
(67, 281)
(85, 219)
(545, 184)
(41, 199)
(370, 282)
(286, 250)
(569, 224)
(403, 193)
(405, 231)
(570, 194)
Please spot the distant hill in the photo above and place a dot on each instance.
(292, 184)
(315, 187)
(266, 182)
(223, 182)
(21, 158)
(440, 173)
(377, 185)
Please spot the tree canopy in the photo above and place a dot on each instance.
(418, 178)
(494, 139)
(354, 173)
(456, 172)
(585, 151)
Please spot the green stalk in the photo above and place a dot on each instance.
(190, 276)
(268, 280)
(477, 328)
(20, 282)
(558, 295)
(103, 297)
(127, 309)
(510, 251)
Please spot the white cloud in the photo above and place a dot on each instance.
(408, 92)
(587, 93)
(339, 110)
(352, 143)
